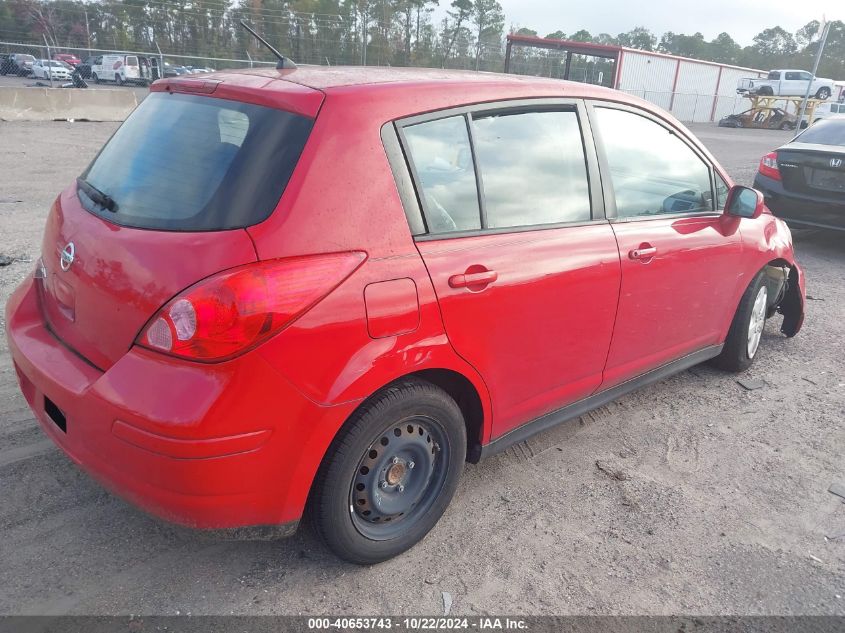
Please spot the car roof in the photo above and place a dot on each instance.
(328, 77)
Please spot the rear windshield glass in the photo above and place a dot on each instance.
(194, 163)
(824, 133)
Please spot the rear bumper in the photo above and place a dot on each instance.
(801, 209)
(208, 446)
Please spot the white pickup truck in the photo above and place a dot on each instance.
(787, 83)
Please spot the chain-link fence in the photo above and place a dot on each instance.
(695, 108)
(20, 59)
(686, 107)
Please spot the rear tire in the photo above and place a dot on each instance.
(823, 93)
(743, 341)
(390, 473)
(765, 91)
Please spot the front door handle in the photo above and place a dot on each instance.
(473, 281)
(645, 251)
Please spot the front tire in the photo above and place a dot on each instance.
(390, 473)
(823, 93)
(743, 341)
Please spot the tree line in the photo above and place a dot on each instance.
(377, 32)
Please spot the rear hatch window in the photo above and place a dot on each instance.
(194, 163)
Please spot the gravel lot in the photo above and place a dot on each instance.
(692, 496)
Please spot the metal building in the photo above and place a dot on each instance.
(693, 90)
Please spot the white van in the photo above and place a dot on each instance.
(118, 68)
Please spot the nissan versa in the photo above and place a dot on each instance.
(328, 288)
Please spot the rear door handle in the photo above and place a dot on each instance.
(468, 280)
(643, 252)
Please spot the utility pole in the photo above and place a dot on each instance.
(364, 20)
(822, 42)
(160, 62)
(88, 31)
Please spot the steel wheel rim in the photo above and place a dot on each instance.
(399, 477)
(757, 322)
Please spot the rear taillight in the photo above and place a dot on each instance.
(769, 166)
(232, 312)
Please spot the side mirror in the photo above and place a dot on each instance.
(744, 202)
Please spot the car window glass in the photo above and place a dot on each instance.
(442, 158)
(721, 192)
(793, 76)
(825, 132)
(774, 75)
(191, 163)
(651, 169)
(805, 76)
(544, 185)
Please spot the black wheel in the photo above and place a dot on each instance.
(823, 93)
(766, 91)
(739, 123)
(390, 473)
(786, 125)
(743, 340)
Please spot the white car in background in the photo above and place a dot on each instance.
(50, 69)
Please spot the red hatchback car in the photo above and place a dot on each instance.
(329, 288)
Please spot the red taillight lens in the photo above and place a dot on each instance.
(769, 166)
(232, 312)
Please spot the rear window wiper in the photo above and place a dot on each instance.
(103, 199)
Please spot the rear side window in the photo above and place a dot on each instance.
(192, 163)
(533, 168)
(652, 170)
(442, 159)
(131, 60)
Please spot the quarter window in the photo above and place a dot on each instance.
(652, 170)
(533, 168)
(442, 159)
(721, 192)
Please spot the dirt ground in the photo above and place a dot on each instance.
(692, 496)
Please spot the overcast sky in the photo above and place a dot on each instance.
(743, 19)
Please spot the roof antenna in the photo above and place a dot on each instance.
(284, 63)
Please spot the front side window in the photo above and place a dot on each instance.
(533, 168)
(442, 158)
(793, 76)
(652, 170)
